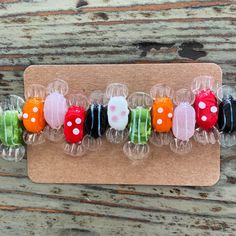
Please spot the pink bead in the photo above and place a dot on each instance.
(55, 108)
(184, 121)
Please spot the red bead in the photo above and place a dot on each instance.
(74, 124)
(206, 109)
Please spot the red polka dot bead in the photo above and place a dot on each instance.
(74, 124)
(206, 109)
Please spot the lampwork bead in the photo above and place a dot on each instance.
(140, 125)
(11, 128)
(227, 115)
(55, 108)
(118, 112)
(74, 124)
(96, 120)
(205, 106)
(33, 115)
(184, 121)
(162, 113)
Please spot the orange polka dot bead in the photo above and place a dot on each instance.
(162, 113)
(33, 115)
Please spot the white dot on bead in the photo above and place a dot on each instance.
(159, 121)
(35, 109)
(33, 120)
(25, 115)
(213, 109)
(75, 131)
(170, 115)
(204, 118)
(202, 105)
(69, 123)
(78, 121)
(160, 110)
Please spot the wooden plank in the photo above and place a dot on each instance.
(97, 31)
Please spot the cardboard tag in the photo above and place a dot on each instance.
(48, 164)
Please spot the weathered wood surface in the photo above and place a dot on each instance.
(105, 31)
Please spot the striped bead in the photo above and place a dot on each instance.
(227, 115)
(96, 120)
(11, 128)
(140, 125)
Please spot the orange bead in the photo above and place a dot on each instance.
(33, 115)
(162, 113)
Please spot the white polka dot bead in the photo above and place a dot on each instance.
(78, 121)
(160, 110)
(33, 119)
(35, 109)
(170, 115)
(204, 118)
(159, 121)
(25, 115)
(202, 105)
(213, 109)
(69, 123)
(75, 131)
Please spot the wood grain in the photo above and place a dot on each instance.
(103, 31)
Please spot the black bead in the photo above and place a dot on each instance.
(227, 115)
(96, 120)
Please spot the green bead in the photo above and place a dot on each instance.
(140, 125)
(10, 128)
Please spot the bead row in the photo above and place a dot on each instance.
(206, 113)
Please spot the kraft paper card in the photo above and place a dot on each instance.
(48, 164)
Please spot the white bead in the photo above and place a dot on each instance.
(202, 105)
(213, 109)
(118, 117)
(75, 131)
(33, 120)
(35, 109)
(25, 115)
(69, 123)
(78, 121)
(204, 118)
(160, 110)
(159, 121)
(170, 115)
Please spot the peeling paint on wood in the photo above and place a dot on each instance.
(107, 31)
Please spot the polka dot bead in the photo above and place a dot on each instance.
(118, 112)
(162, 110)
(33, 115)
(74, 124)
(205, 106)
